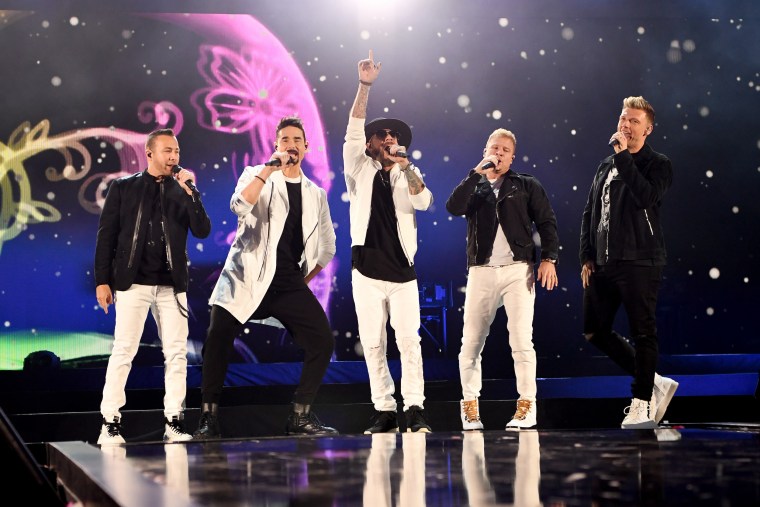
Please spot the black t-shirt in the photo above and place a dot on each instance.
(153, 267)
(381, 257)
(287, 274)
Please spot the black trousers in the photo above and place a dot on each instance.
(303, 317)
(636, 289)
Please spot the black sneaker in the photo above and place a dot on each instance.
(415, 420)
(208, 427)
(307, 424)
(383, 422)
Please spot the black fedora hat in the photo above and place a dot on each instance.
(405, 133)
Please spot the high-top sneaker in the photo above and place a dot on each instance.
(174, 430)
(525, 415)
(384, 421)
(664, 389)
(307, 423)
(415, 420)
(208, 426)
(110, 433)
(470, 415)
(638, 416)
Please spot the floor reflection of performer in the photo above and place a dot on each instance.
(177, 470)
(527, 470)
(379, 483)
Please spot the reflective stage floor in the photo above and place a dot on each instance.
(678, 465)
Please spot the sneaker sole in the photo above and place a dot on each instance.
(368, 432)
(518, 428)
(171, 440)
(646, 425)
(663, 407)
(109, 442)
(421, 430)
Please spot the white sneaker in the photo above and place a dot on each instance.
(175, 431)
(637, 416)
(525, 415)
(664, 389)
(468, 411)
(110, 433)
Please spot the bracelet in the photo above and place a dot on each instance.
(365, 83)
(553, 261)
(262, 179)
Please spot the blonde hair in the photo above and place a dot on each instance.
(502, 133)
(640, 103)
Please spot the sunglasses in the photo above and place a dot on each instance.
(383, 133)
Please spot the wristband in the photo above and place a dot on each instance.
(365, 83)
(262, 179)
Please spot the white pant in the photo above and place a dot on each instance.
(374, 300)
(488, 288)
(131, 308)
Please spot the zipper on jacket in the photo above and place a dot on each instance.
(269, 228)
(137, 229)
(161, 199)
(646, 215)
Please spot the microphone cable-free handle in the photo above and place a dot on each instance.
(176, 169)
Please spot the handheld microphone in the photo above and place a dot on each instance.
(277, 162)
(488, 165)
(399, 152)
(188, 182)
(614, 142)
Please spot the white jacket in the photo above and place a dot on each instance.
(250, 265)
(359, 170)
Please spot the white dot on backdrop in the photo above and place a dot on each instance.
(364, 34)
(523, 55)
(746, 280)
(46, 24)
(322, 79)
(73, 21)
(496, 114)
(465, 65)
(441, 59)
(416, 154)
(640, 30)
(689, 45)
(344, 197)
(56, 81)
(710, 311)
(735, 209)
(714, 273)
(709, 173)
(573, 132)
(463, 101)
(503, 22)
(7, 324)
(568, 33)
(704, 111)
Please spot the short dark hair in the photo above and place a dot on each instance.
(153, 135)
(290, 121)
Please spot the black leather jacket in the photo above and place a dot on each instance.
(522, 203)
(123, 228)
(635, 225)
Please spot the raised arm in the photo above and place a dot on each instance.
(368, 72)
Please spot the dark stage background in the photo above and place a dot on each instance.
(83, 82)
